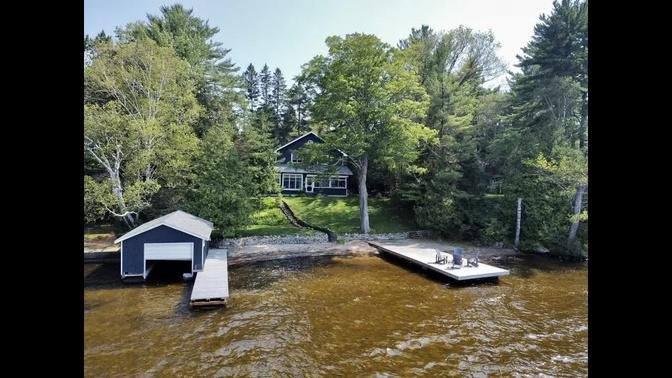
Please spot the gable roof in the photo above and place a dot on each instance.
(303, 136)
(178, 220)
(299, 138)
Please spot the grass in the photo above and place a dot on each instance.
(99, 236)
(340, 215)
(269, 221)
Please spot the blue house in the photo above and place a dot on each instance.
(295, 180)
(177, 236)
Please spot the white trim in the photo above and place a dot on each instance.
(202, 255)
(291, 158)
(144, 257)
(130, 234)
(121, 268)
(329, 181)
(299, 138)
(312, 185)
(300, 188)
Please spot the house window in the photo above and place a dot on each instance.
(292, 181)
(338, 182)
(332, 182)
(294, 158)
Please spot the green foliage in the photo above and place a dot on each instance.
(145, 81)
(191, 39)
(138, 115)
(372, 103)
(446, 188)
(95, 194)
(265, 88)
(221, 190)
(257, 153)
(415, 122)
(251, 80)
(541, 147)
(234, 169)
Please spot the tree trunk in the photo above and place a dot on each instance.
(578, 200)
(118, 192)
(583, 137)
(363, 198)
(516, 242)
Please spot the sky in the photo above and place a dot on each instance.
(287, 34)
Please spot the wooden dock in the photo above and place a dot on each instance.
(426, 258)
(211, 287)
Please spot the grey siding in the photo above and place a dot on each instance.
(133, 248)
(330, 191)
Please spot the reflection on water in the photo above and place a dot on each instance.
(361, 316)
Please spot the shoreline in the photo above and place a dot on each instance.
(250, 254)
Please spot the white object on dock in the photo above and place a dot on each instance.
(426, 257)
(212, 284)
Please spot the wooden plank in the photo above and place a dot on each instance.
(426, 257)
(211, 286)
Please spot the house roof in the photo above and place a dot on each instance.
(301, 137)
(179, 220)
(285, 168)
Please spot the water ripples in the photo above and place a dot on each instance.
(353, 316)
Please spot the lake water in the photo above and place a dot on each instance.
(341, 316)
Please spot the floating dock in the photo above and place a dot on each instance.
(211, 287)
(426, 258)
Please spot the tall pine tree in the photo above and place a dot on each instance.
(265, 86)
(543, 147)
(278, 95)
(192, 40)
(252, 86)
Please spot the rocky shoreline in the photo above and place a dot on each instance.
(320, 238)
(254, 249)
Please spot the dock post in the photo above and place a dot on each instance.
(517, 240)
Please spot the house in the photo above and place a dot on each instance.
(295, 180)
(178, 236)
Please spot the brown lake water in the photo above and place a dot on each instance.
(341, 316)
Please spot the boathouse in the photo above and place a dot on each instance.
(178, 236)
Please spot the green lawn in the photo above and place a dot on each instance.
(340, 215)
(269, 221)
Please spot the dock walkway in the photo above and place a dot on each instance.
(211, 287)
(426, 257)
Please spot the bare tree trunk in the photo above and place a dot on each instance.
(584, 123)
(518, 213)
(118, 192)
(578, 200)
(363, 198)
